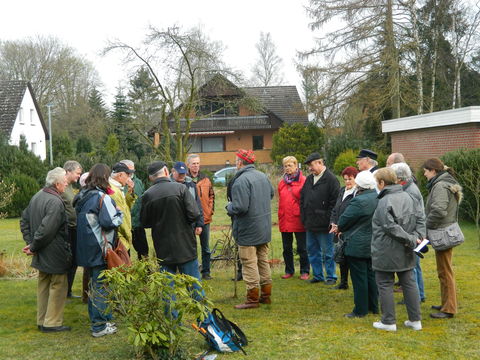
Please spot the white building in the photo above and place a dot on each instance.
(20, 115)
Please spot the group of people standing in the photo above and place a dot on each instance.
(377, 219)
(63, 230)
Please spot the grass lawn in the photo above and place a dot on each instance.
(305, 320)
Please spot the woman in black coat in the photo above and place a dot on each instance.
(344, 197)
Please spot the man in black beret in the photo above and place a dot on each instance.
(170, 211)
(367, 160)
(317, 200)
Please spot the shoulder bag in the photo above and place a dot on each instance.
(114, 257)
(447, 237)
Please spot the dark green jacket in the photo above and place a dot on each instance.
(356, 224)
(138, 189)
(44, 228)
(443, 199)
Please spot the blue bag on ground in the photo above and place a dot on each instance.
(222, 334)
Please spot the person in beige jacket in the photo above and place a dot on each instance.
(120, 178)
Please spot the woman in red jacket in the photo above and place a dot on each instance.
(289, 218)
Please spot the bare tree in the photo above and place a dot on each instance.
(364, 45)
(267, 70)
(179, 62)
(464, 40)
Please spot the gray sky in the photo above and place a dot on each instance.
(87, 25)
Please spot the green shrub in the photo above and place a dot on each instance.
(26, 187)
(344, 159)
(142, 297)
(296, 140)
(466, 164)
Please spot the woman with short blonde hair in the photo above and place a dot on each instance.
(289, 220)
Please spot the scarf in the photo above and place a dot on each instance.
(291, 178)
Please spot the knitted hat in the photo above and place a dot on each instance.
(365, 180)
(246, 155)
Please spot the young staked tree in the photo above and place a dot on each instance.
(267, 70)
(178, 61)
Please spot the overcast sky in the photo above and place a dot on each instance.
(88, 24)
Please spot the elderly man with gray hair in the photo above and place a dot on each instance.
(44, 229)
(404, 176)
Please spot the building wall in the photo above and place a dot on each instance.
(238, 140)
(421, 144)
(30, 127)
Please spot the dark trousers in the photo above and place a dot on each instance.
(72, 239)
(365, 293)
(287, 240)
(139, 241)
(205, 245)
(344, 273)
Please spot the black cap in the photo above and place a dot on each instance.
(121, 167)
(312, 157)
(154, 167)
(367, 153)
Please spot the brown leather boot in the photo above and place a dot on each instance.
(266, 291)
(252, 300)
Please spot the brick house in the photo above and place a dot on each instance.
(231, 117)
(20, 116)
(431, 135)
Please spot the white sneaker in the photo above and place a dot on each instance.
(415, 325)
(107, 331)
(382, 326)
(111, 324)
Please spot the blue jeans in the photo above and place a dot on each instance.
(204, 243)
(320, 254)
(188, 268)
(97, 300)
(417, 271)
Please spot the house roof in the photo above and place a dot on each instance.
(440, 118)
(283, 101)
(11, 96)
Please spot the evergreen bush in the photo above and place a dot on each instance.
(26, 187)
(344, 159)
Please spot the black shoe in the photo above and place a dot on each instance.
(436, 307)
(441, 315)
(206, 277)
(55, 329)
(340, 287)
(40, 327)
(314, 281)
(422, 300)
(330, 282)
(353, 315)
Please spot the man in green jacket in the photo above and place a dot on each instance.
(73, 170)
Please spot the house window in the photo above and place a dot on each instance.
(257, 142)
(207, 144)
(33, 147)
(32, 117)
(20, 115)
(213, 108)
